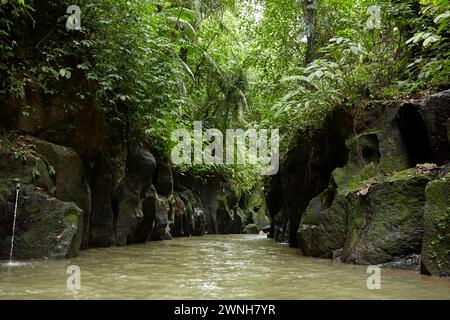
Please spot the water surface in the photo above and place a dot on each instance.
(211, 267)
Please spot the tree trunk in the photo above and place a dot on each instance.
(310, 22)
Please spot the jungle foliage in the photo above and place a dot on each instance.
(155, 65)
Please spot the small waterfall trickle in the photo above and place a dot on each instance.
(14, 224)
(12, 263)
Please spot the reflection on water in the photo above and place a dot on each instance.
(211, 267)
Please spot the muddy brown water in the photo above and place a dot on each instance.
(211, 267)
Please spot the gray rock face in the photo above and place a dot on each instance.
(161, 225)
(47, 226)
(254, 208)
(140, 168)
(436, 240)
(323, 225)
(387, 222)
(306, 169)
(217, 206)
(375, 210)
(251, 229)
(70, 175)
(425, 127)
(377, 150)
(194, 216)
(107, 187)
(164, 179)
(280, 227)
(181, 224)
(71, 180)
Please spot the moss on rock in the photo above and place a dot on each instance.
(436, 240)
(386, 221)
(46, 227)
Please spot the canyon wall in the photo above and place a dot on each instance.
(370, 191)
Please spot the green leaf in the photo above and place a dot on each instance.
(188, 28)
(431, 39)
(294, 78)
(51, 170)
(416, 38)
(289, 95)
(84, 66)
(35, 173)
(442, 16)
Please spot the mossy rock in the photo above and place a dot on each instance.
(25, 169)
(46, 228)
(251, 229)
(436, 240)
(348, 180)
(386, 221)
(256, 209)
(323, 226)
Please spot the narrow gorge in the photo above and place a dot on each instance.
(87, 179)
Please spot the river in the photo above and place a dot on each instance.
(211, 267)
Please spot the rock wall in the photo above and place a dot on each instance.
(386, 203)
(122, 197)
(225, 208)
(304, 173)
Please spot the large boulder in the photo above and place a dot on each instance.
(255, 208)
(20, 162)
(436, 239)
(53, 186)
(45, 228)
(69, 175)
(385, 219)
(376, 151)
(323, 226)
(251, 229)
